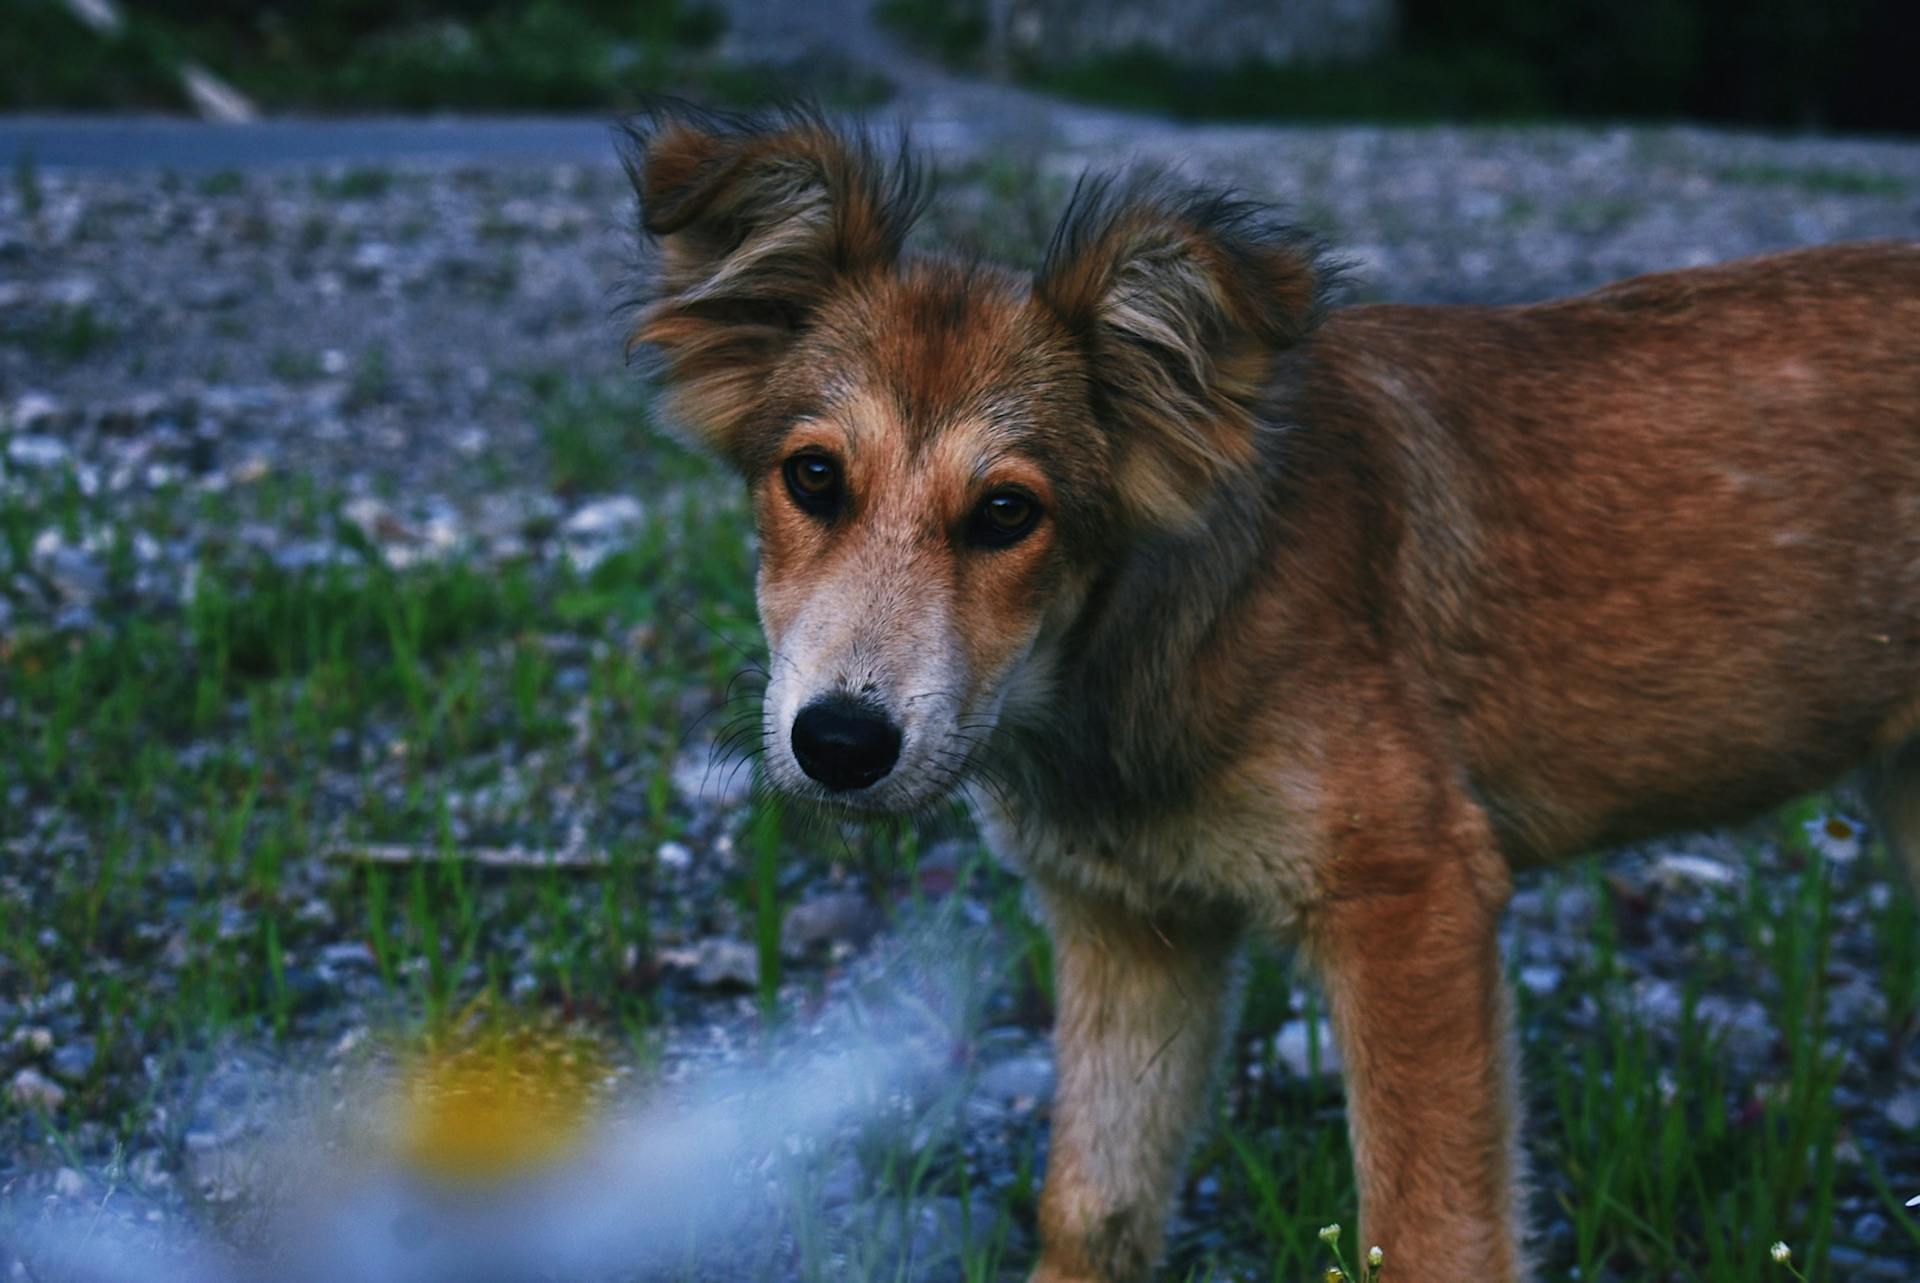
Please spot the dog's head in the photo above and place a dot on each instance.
(942, 456)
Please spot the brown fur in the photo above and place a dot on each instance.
(1328, 624)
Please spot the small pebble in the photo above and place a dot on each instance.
(31, 1089)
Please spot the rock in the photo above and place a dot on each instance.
(347, 953)
(29, 451)
(1291, 1046)
(75, 619)
(148, 1171)
(75, 574)
(1678, 871)
(1858, 1002)
(31, 1089)
(216, 1172)
(35, 411)
(706, 779)
(604, 519)
(1204, 34)
(35, 1040)
(1741, 1023)
(1573, 910)
(595, 531)
(377, 521)
(1656, 1002)
(1541, 979)
(73, 1061)
(717, 962)
(68, 1183)
(1019, 1081)
(1903, 1110)
(825, 919)
(937, 1227)
(937, 871)
(841, 1184)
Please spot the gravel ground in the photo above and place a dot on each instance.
(399, 337)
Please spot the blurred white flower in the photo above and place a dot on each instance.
(1834, 837)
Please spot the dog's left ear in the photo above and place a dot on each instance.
(1183, 301)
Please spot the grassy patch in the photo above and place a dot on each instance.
(219, 757)
(64, 334)
(1800, 64)
(582, 55)
(1819, 180)
(954, 33)
(1416, 87)
(190, 780)
(49, 59)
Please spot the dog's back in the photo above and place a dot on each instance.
(1657, 547)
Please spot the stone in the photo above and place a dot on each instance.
(35, 1040)
(717, 962)
(604, 518)
(825, 919)
(30, 451)
(707, 779)
(1201, 33)
(73, 1061)
(1541, 979)
(1677, 871)
(1020, 1081)
(1291, 1045)
(1742, 1024)
(31, 1089)
(33, 411)
(347, 953)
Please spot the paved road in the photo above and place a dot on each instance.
(948, 112)
(190, 146)
(156, 142)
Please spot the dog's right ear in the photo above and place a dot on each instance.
(753, 220)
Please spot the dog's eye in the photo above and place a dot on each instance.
(814, 482)
(1003, 518)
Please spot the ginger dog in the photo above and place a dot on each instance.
(1234, 613)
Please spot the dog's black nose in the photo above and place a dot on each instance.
(843, 744)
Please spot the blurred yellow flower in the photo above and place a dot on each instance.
(496, 1105)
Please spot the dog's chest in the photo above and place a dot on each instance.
(1248, 857)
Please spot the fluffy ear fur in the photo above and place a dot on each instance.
(751, 221)
(1183, 300)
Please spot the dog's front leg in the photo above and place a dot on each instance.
(1142, 1012)
(1407, 949)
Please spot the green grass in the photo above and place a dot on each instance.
(1829, 180)
(1412, 87)
(65, 335)
(347, 55)
(49, 59)
(1800, 64)
(217, 759)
